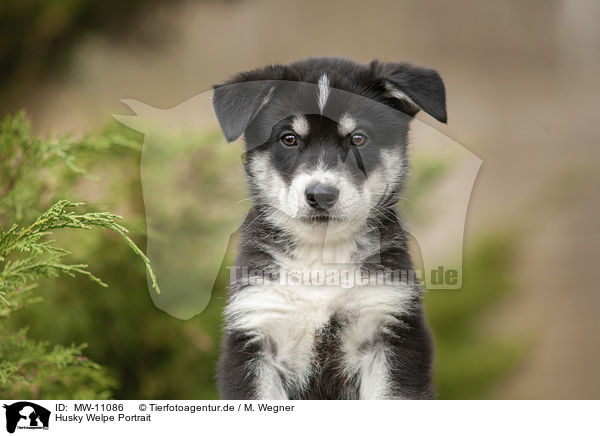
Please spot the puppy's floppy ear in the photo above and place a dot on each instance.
(236, 104)
(416, 88)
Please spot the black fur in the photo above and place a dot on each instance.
(237, 101)
(241, 107)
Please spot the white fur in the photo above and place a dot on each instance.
(346, 125)
(374, 383)
(266, 99)
(323, 85)
(289, 317)
(286, 317)
(269, 384)
(300, 125)
(290, 204)
(394, 166)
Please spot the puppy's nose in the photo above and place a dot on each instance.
(321, 196)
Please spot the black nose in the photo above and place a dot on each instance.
(321, 196)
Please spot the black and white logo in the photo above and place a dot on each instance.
(26, 415)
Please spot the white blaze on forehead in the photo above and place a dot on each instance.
(346, 125)
(300, 125)
(323, 91)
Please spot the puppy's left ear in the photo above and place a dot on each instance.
(236, 104)
(416, 88)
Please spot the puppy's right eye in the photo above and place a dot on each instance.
(289, 140)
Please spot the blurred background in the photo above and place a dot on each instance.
(523, 95)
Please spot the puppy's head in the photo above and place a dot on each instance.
(326, 137)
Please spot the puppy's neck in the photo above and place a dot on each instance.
(326, 243)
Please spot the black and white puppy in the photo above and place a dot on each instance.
(319, 307)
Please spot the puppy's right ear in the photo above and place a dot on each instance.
(416, 88)
(236, 104)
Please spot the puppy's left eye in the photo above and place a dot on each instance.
(289, 139)
(358, 140)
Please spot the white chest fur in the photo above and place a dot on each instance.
(287, 315)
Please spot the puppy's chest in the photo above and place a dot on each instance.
(312, 330)
(292, 316)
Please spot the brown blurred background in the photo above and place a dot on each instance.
(523, 93)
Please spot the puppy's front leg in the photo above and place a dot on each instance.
(374, 375)
(269, 384)
(247, 370)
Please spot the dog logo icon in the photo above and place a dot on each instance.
(26, 415)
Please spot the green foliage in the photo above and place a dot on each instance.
(471, 360)
(42, 258)
(149, 353)
(29, 368)
(33, 369)
(30, 170)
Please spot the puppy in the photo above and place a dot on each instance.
(321, 304)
